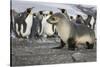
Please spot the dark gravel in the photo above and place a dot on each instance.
(37, 52)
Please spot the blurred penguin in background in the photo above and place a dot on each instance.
(87, 21)
(23, 23)
(13, 14)
(47, 28)
(79, 19)
(90, 21)
(72, 20)
(34, 26)
(37, 24)
(64, 12)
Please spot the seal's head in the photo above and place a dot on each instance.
(55, 18)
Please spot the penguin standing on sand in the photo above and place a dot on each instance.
(23, 23)
(38, 24)
(87, 21)
(47, 28)
(34, 26)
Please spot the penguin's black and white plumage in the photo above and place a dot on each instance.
(87, 21)
(13, 14)
(37, 24)
(34, 26)
(71, 33)
(23, 23)
(90, 21)
(47, 28)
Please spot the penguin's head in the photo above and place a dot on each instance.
(47, 13)
(71, 17)
(62, 10)
(55, 18)
(34, 14)
(78, 16)
(28, 10)
(21, 17)
(40, 12)
(50, 12)
(90, 16)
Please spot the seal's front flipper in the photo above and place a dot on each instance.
(89, 46)
(71, 44)
(61, 46)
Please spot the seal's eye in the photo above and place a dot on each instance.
(53, 18)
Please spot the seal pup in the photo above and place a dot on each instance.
(71, 33)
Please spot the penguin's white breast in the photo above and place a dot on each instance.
(28, 21)
(92, 21)
(46, 26)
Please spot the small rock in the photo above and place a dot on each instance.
(79, 57)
